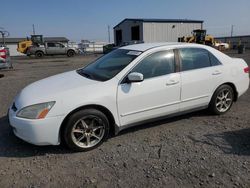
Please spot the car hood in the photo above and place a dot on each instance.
(52, 88)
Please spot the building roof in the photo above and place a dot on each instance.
(228, 37)
(160, 20)
(46, 39)
(12, 40)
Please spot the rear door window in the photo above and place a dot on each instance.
(58, 45)
(51, 44)
(194, 58)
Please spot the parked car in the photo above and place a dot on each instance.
(127, 87)
(51, 48)
(222, 45)
(5, 61)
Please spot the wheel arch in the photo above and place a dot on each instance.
(37, 51)
(70, 50)
(232, 85)
(107, 112)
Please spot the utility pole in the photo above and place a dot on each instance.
(109, 32)
(34, 31)
(232, 30)
(2, 33)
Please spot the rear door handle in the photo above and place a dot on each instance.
(172, 82)
(216, 72)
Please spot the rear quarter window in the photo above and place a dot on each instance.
(214, 61)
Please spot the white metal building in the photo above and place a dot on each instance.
(154, 30)
(11, 43)
(92, 47)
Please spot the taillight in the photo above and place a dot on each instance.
(3, 54)
(246, 70)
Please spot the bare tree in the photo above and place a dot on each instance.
(4, 34)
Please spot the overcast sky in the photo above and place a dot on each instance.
(89, 19)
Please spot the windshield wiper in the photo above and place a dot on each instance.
(87, 75)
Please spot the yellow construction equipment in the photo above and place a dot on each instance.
(24, 45)
(200, 37)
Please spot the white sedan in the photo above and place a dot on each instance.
(126, 87)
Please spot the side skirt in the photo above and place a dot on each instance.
(118, 129)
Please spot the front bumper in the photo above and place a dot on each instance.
(37, 132)
(5, 63)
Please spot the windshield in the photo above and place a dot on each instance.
(109, 65)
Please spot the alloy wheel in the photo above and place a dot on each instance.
(224, 100)
(88, 131)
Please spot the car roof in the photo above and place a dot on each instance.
(146, 46)
(3, 47)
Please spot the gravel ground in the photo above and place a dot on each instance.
(193, 150)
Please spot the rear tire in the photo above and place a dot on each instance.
(39, 54)
(70, 53)
(222, 100)
(86, 130)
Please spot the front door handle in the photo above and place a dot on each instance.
(217, 72)
(172, 82)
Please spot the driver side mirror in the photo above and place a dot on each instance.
(135, 77)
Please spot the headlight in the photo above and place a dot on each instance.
(37, 111)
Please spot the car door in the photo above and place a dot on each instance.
(60, 48)
(157, 95)
(55, 48)
(199, 77)
(50, 48)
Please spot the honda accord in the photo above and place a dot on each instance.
(127, 87)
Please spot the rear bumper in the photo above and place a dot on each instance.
(37, 132)
(243, 86)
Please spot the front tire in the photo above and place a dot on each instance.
(222, 100)
(86, 130)
(39, 54)
(70, 53)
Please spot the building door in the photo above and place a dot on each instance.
(135, 33)
(118, 35)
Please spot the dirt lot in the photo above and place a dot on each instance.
(194, 150)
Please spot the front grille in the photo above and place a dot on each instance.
(14, 108)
